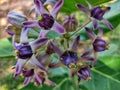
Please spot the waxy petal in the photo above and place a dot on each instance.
(56, 48)
(24, 35)
(100, 32)
(95, 24)
(87, 53)
(37, 63)
(18, 66)
(90, 33)
(37, 79)
(27, 80)
(75, 43)
(43, 33)
(38, 43)
(31, 24)
(58, 28)
(39, 7)
(57, 8)
(83, 8)
(10, 32)
(108, 24)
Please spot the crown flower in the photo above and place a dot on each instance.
(46, 20)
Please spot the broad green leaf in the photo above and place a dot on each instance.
(6, 49)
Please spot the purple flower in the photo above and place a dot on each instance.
(38, 77)
(46, 20)
(70, 23)
(68, 57)
(98, 43)
(25, 51)
(84, 73)
(96, 14)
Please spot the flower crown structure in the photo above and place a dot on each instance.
(33, 54)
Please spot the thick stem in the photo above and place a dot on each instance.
(95, 57)
(79, 28)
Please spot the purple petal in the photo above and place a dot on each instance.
(83, 8)
(37, 79)
(38, 43)
(56, 8)
(10, 32)
(39, 7)
(56, 48)
(109, 25)
(31, 24)
(100, 32)
(87, 53)
(75, 43)
(19, 65)
(37, 63)
(58, 28)
(43, 33)
(24, 35)
(90, 33)
(27, 80)
(95, 24)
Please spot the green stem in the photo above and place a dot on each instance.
(78, 29)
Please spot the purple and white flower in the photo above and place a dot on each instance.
(25, 51)
(38, 77)
(46, 20)
(96, 14)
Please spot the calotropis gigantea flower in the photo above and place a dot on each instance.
(46, 20)
(98, 43)
(38, 77)
(70, 23)
(96, 14)
(71, 59)
(25, 51)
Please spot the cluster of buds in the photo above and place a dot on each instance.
(33, 55)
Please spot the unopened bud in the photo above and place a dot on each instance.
(16, 19)
(70, 23)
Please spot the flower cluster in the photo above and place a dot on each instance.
(33, 54)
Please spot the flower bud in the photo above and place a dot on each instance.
(84, 73)
(70, 23)
(16, 18)
(99, 45)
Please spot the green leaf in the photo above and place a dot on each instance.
(6, 49)
(106, 75)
